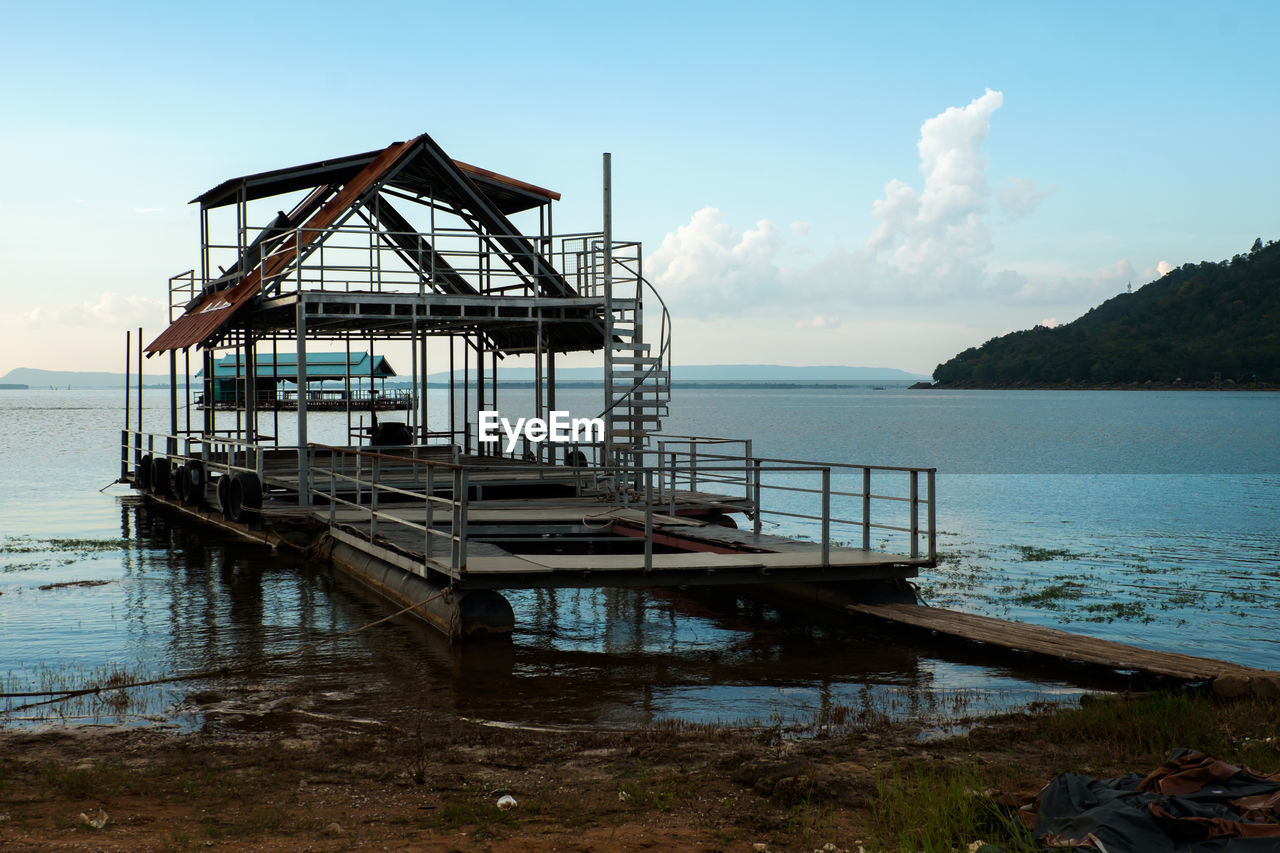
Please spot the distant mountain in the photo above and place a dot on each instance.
(683, 373)
(37, 378)
(1202, 323)
(718, 373)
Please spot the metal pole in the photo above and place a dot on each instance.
(128, 366)
(304, 472)
(933, 525)
(429, 523)
(537, 377)
(453, 415)
(671, 491)
(375, 474)
(480, 380)
(139, 383)
(608, 309)
(422, 400)
(826, 517)
(866, 509)
(463, 511)
(412, 414)
(333, 486)
(648, 520)
(915, 514)
(186, 383)
(755, 499)
(173, 401)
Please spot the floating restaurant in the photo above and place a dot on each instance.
(407, 246)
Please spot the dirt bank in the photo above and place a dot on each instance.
(307, 782)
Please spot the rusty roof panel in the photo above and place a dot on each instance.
(211, 314)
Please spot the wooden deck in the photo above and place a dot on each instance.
(1053, 643)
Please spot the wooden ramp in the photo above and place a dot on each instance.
(1062, 645)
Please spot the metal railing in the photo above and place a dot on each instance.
(775, 488)
(687, 476)
(346, 479)
(364, 259)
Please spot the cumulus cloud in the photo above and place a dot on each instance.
(1164, 268)
(927, 243)
(1049, 322)
(942, 226)
(931, 242)
(710, 265)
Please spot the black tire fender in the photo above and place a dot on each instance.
(160, 471)
(193, 483)
(142, 473)
(245, 497)
(224, 495)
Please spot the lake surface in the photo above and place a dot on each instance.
(1145, 517)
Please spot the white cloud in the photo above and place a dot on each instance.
(112, 310)
(1164, 268)
(708, 265)
(1019, 197)
(942, 227)
(1049, 322)
(929, 252)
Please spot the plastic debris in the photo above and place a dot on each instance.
(97, 821)
(507, 802)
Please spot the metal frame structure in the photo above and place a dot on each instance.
(347, 265)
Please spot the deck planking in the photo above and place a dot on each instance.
(1054, 643)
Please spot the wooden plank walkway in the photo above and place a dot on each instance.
(1051, 642)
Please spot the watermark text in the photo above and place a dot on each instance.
(560, 429)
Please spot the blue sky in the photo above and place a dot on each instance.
(820, 183)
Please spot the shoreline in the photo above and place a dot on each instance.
(402, 780)
(1114, 386)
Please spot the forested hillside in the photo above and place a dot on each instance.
(1201, 323)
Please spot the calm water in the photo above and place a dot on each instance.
(1146, 517)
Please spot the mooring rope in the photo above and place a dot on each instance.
(64, 695)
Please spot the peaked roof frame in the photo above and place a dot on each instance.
(480, 198)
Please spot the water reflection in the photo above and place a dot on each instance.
(191, 599)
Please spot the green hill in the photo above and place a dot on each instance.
(1200, 324)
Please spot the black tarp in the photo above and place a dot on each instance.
(1191, 803)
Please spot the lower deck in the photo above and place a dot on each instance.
(567, 544)
(473, 521)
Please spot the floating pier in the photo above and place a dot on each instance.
(1064, 646)
(405, 248)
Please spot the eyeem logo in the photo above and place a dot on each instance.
(560, 429)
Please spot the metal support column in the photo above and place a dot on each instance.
(304, 472)
(608, 311)
(172, 443)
